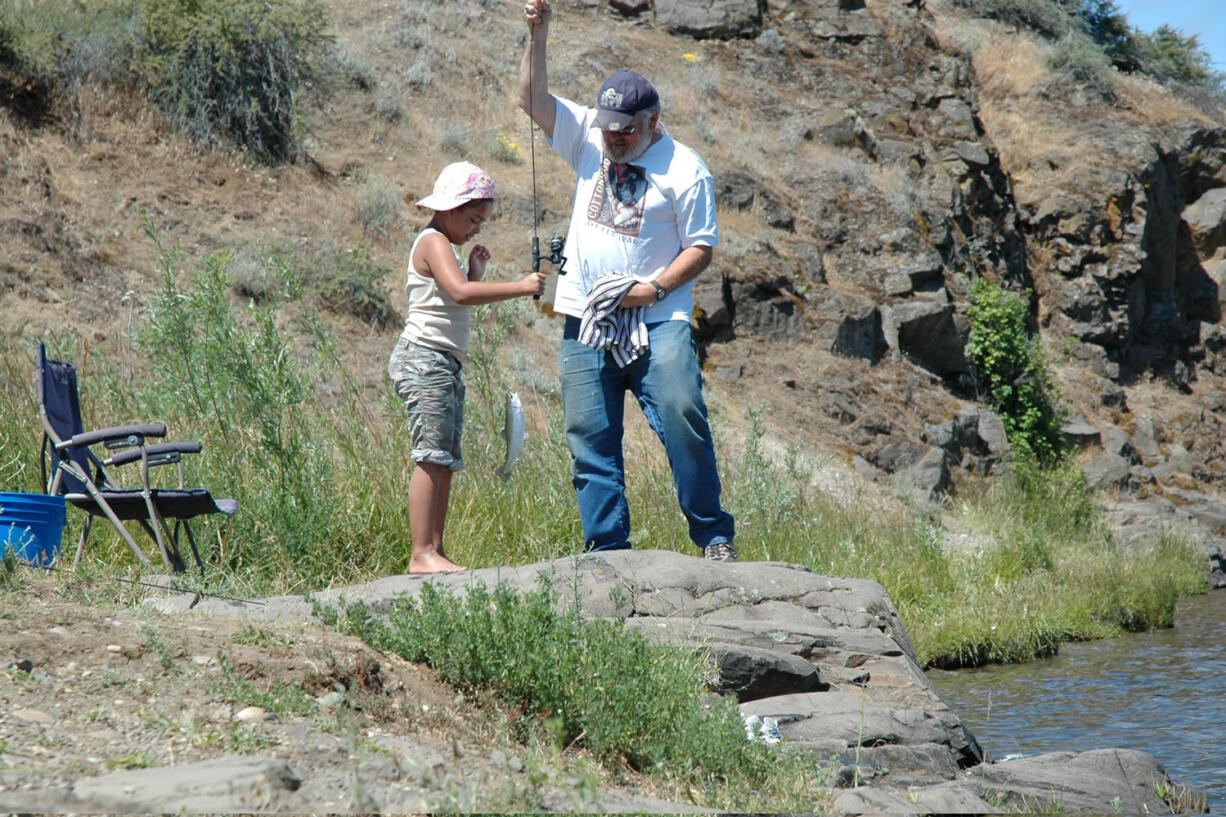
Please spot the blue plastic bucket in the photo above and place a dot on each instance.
(31, 526)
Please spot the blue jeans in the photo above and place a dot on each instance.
(667, 382)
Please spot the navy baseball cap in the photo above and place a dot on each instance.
(623, 95)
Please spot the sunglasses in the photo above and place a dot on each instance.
(629, 130)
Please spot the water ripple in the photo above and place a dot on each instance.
(1159, 692)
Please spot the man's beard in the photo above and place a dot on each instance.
(631, 152)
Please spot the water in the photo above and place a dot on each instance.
(1160, 692)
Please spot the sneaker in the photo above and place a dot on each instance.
(720, 552)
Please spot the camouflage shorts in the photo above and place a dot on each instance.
(428, 381)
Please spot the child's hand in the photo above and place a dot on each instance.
(533, 283)
(477, 260)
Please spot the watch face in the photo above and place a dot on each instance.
(660, 291)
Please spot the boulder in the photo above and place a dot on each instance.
(826, 657)
(1102, 781)
(711, 19)
(860, 334)
(931, 334)
(1206, 220)
(1106, 471)
(227, 784)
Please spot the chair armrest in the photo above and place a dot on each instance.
(132, 435)
(158, 453)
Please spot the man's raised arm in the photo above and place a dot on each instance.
(534, 96)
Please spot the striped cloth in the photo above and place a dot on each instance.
(605, 326)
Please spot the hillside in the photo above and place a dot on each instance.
(870, 158)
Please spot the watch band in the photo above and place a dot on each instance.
(660, 291)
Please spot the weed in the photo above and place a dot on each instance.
(1181, 799)
(419, 75)
(281, 698)
(502, 149)
(378, 206)
(135, 760)
(21, 678)
(9, 577)
(164, 657)
(456, 138)
(260, 637)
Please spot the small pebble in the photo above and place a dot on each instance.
(331, 700)
(251, 714)
(33, 716)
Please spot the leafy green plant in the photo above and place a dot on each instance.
(1012, 371)
(592, 683)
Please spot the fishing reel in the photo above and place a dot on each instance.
(557, 243)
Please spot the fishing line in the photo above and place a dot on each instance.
(557, 242)
(139, 583)
(536, 241)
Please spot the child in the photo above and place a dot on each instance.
(426, 362)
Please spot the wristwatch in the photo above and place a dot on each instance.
(660, 291)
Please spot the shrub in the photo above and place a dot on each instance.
(349, 281)
(378, 205)
(503, 149)
(590, 683)
(1077, 58)
(233, 69)
(64, 43)
(1011, 370)
(1046, 17)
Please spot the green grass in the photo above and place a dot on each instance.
(320, 468)
(574, 688)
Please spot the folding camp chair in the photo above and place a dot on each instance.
(71, 468)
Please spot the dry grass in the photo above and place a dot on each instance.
(1011, 65)
(1146, 102)
(1036, 138)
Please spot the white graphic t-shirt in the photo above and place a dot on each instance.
(633, 218)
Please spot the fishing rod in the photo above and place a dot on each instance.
(556, 242)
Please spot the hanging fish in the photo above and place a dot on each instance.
(512, 435)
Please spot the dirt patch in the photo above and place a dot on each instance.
(87, 689)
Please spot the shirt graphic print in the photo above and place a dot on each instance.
(617, 197)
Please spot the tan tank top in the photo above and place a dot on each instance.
(435, 320)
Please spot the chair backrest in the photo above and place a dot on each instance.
(60, 407)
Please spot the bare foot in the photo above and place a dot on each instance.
(432, 563)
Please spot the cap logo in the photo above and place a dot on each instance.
(611, 98)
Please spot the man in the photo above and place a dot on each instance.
(642, 228)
